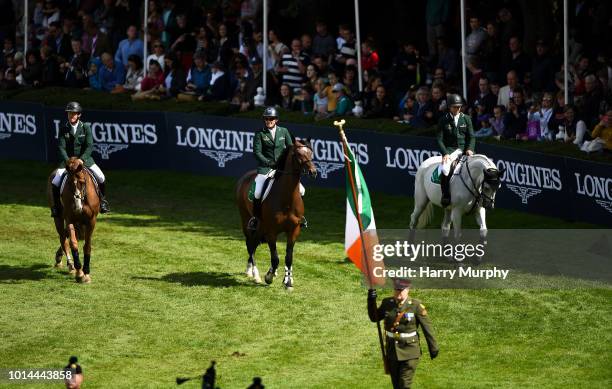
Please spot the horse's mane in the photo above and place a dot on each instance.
(282, 160)
(487, 162)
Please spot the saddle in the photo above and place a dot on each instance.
(265, 190)
(436, 175)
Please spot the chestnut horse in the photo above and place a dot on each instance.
(80, 208)
(281, 210)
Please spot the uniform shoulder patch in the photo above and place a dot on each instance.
(423, 310)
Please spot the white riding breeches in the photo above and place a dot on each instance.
(259, 182)
(445, 166)
(98, 173)
(261, 178)
(57, 179)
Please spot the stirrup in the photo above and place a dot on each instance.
(252, 224)
(55, 212)
(104, 207)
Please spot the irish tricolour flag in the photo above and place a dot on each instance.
(360, 230)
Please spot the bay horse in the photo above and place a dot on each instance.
(80, 208)
(473, 188)
(281, 210)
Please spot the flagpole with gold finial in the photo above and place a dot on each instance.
(340, 125)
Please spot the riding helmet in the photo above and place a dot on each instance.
(454, 100)
(73, 106)
(270, 112)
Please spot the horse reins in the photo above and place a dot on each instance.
(83, 195)
(478, 197)
(297, 171)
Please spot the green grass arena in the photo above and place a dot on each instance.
(169, 295)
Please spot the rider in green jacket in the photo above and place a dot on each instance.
(455, 137)
(75, 139)
(269, 143)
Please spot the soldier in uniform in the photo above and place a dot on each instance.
(75, 139)
(402, 316)
(76, 374)
(455, 137)
(269, 143)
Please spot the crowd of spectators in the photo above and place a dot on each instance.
(216, 53)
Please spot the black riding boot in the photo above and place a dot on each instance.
(254, 221)
(56, 209)
(103, 203)
(445, 187)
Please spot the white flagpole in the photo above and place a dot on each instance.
(25, 32)
(265, 48)
(358, 44)
(144, 39)
(565, 54)
(463, 63)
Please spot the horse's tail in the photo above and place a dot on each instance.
(426, 216)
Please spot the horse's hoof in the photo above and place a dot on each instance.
(269, 276)
(256, 276)
(288, 280)
(86, 279)
(58, 265)
(249, 271)
(78, 275)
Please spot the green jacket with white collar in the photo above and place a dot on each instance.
(78, 145)
(451, 137)
(267, 150)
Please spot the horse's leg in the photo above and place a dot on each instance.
(74, 247)
(446, 225)
(456, 214)
(420, 203)
(420, 200)
(274, 260)
(480, 219)
(252, 271)
(66, 247)
(291, 238)
(59, 227)
(59, 254)
(87, 251)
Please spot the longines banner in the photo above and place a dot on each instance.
(121, 139)
(22, 134)
(210, 145)
(533, 182)
(591, 197)
(536, 183)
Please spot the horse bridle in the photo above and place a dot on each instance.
(83, 193)
(479, 195)
(297, 171)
